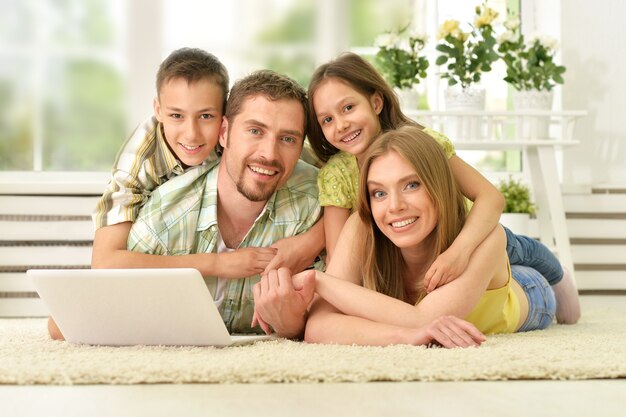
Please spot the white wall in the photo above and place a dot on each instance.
(592, 38)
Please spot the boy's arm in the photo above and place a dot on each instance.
(110, 251)
(480, 222)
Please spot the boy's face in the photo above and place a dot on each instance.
(191, 114)
(262, 145)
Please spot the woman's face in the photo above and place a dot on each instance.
(401, 206)
(348, 119)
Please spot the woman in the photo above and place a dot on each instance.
(410, 211)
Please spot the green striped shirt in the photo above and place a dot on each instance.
(180, 218)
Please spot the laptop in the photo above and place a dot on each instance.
(121, 307)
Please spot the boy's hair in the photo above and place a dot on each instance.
(193, 64)
(267, 83)
(384, 264)
(359, 74)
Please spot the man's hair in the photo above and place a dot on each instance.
(383, 264)
(193, 64)
(267, 83)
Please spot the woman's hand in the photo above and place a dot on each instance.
(449, 332)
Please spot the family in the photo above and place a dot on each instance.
(216, 180)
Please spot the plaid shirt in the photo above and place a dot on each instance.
(181, 218)
(143, 163)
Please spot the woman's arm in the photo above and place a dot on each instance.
(332, 327)
(487, 269)
(481, 220)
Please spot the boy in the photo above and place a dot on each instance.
(192, 87)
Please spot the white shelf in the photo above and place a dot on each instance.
(515, 128)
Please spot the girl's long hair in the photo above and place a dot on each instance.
(383, 265)
(359, 74)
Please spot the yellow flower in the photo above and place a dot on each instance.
(448, 27)
(486, 18)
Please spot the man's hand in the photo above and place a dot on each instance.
(244, 262)
(279, 305)
(447, 267)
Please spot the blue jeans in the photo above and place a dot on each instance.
(524, 250)
(541, 301)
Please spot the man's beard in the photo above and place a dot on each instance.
(253, 193)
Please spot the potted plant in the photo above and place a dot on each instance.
(531, 70)
(466, 55)
(401, 62)
(518, 205)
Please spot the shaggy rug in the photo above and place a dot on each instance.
(594, 348)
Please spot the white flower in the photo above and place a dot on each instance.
(508, 36)
(419, 36)
(386, 40)
(403, 44)
(547, 42)
(550, 43)
(512, 24)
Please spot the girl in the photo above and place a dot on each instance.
(411, 210)
(352, 105)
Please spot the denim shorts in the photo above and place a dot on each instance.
(541, 301)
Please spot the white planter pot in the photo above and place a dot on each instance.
(409, 98)
(470, 98)
(517, 222)
(464, 127)
(533, 127)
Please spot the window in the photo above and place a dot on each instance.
(77, 75)
(61, 84)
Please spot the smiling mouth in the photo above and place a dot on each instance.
(263, 171)
(190, 148)
(351, 137)
(404, 223)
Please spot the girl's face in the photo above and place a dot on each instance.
(348, 119)
(401, 206)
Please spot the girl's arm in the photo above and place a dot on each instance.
(334, 220)
(487, 268)
(299, 252)
(481, 220)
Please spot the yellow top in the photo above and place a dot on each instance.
(497, 311)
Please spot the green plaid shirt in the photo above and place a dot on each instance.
(143, 163)
(181, 218)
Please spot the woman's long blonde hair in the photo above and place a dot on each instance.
(383, 265)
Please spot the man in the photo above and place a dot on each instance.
(258, 194)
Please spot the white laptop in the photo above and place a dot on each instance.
(133, 307)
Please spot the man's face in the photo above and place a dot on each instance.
(262, 145)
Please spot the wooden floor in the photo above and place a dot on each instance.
(467, 399)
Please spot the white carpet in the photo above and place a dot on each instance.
(594, 348)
